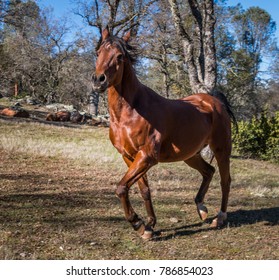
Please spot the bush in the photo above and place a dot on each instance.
(273, 140)
(259, 137)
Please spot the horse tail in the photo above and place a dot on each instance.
(221, 97)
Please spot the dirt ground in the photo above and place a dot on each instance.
(57, 201)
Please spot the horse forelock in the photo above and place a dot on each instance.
(127, 49)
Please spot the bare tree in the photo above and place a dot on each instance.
(118, 15)
(36, 59)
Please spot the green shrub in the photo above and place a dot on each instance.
(259, 137)
(273, 140)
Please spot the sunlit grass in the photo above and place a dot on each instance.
(89, 145)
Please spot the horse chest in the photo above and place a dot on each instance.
(127, 138)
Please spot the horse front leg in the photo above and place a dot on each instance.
(146, 195)
(141, 164)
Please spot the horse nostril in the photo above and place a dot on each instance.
(102, 78)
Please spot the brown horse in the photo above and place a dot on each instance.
(147, 128)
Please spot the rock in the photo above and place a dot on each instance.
(174, 220)
(17, 104)
(31, 101)
(99, 121)
(59, 107)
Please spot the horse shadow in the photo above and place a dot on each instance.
(270, 217)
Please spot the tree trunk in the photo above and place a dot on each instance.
(210, 65)
(166, 77)
(16, 89)
(94, 103)
(201, 67)
(166, 85)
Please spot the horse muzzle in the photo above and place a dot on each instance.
(99, 83)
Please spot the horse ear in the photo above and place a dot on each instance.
(127, 36)
(105, 34)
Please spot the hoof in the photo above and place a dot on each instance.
(145, 232)
(147, 235)
(202, 211)
(140, 230)
(220, 220)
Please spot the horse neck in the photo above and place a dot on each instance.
(122, 96)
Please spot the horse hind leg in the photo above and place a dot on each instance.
(207, 171)
(223, 161)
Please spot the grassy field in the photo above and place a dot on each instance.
(57, 202)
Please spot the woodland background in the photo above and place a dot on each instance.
(46, 58)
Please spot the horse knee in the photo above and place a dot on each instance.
(121, 191)
(208, 172)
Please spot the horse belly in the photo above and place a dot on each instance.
(175, 152)
(185, 141)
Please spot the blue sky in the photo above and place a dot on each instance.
(271, 6)
(63, 7)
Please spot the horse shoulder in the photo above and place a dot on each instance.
(128, 134)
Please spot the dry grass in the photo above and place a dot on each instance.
(57, 202)
(85, 144)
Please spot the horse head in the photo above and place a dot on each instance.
(111, 57)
